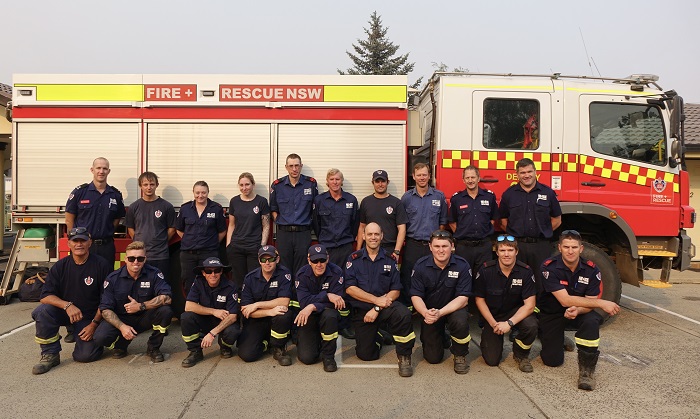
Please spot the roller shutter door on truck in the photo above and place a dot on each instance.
(181, 154)
(53, 158)
(356, 149)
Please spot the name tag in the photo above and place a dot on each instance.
(485, 202)
(387, 268)
(211, 215)
(273, 284)
(436, 202)
(542, 197)
(453, 274)
(220, 298)
(349, 205)
(324, 286)
(307, 191)
(145, 285)
(582, 280)
(517, 282)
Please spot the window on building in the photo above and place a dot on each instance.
(634, 132)
(512, 124)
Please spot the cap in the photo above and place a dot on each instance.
(79, 233)
(211, 263)
(268, 250)
(380, 174)
(317, 251)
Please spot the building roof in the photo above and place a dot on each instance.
(692, 125)
(5, 93)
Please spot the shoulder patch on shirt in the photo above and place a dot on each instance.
(490, 263)
(288, 277)
(523, 264)
(590, 263)
(356, 254)
(313, 180)
(348, 265)
(547, 262)
(276, 182)
(545, 274)
(84, 185)
(160, 275)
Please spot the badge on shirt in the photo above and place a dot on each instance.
(452, 274)
(256, 209)
(85, 201)
(348, 265)
(389, 210)
(324, 286)
(296, 284)
(340, 280)
(485, 202)
(349, 204)
(145, 285)
(583, 280)
(516, 282)
(88, 280)
(288, 276)
(545, 274)
(598, 276)
(106, 284)
(307, 191)
(111, 202)
(436, 202)
(542, 197)
(220, 298)
(273, 284)
(71, 196)
(160, 275)
(465, 206)
(158, 213)
(211, 215)
(387, 268)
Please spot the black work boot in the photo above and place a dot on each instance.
(405, 368)
(192, 359)
(461, 366)
(46, 362)
(522, 357)
(329, 365)
(281, 356)
(569, 345)
(586, 367)
(156, 355)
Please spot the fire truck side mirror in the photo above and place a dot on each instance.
(676, 117)
(675, 153)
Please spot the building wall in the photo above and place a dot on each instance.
(694, 172)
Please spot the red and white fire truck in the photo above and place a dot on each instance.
(612, 149)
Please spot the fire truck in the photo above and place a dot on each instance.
(612, 149)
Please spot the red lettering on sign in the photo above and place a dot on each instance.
(170, 92)
(269, 93)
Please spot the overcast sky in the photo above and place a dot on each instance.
(311, 37)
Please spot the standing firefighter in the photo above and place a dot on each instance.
(571, 292)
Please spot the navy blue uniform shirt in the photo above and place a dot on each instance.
(293, 204)
(120, 285)
(96, 211)
(436, 286)
(312, 289)
(529, 213)
(336, 222)
(256, 288)
(201, 232)
(425, 213)
(81, 284)
(473, 216)
(377, 277)
(504, 294)
(582, 282)
(222, 297)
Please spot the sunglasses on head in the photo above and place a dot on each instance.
(264, 259)
(77, 230)
(210, 271)
(507, 238)
(571, 233)
(317, 261)
(136, 258)
(441, 234)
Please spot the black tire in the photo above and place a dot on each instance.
(612, 284)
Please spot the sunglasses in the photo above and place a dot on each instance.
(210, 271)
(507, 238)
(77, 230)
(441, 234)
(571, 233)
(268, 259)
(136, 258)
(317, 261)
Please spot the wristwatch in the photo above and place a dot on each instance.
(143, 307)
(510, 322)
(377, 309)
(397, 252)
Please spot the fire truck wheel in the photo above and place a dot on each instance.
(612, 285)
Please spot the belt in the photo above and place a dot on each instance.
(197, 252)
(471, 243)
(423, 242)
(531, 239)
(293, 228)
(100, 242)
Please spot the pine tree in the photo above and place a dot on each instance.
(375, 55)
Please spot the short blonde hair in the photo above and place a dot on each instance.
(135, 246)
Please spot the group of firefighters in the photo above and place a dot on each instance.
(311, 293)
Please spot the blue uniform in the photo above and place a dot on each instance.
(294, 206)
(96, 211)
(504, 296)
(119, 286)
(222, 297)
(437, 287)
(473, 215)
(425, 213)
(321, 329)
(80, 284)
(584, 281)
(201, 231)
(377, 277)
(336, 222)
(258, 331)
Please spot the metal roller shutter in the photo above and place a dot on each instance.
(181, 154)
(357, 150)
(45, 179)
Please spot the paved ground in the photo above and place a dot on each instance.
(648, 368)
